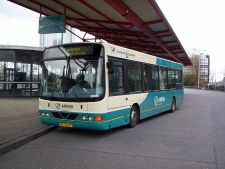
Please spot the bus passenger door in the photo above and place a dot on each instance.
(117, 99)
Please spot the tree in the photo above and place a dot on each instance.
(190, 80)
(191, 73)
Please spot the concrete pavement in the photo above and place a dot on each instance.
(19, 122)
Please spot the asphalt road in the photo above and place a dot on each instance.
(191, 137)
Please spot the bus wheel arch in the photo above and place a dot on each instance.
(173, 104)
(134, 115)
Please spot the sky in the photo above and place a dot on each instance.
(18, 25)
(198, 24)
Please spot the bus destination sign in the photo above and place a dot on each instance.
(80, 50)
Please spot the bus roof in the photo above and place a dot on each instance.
(138, 56)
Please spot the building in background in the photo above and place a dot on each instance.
(200, 70)
(204, 68)
(20, 70)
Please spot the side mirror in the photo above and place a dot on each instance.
(110, 67)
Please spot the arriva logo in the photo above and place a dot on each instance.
(159, 100)
(57, 105)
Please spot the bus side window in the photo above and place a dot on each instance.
(147, 76)
(171, 78)
(116, 84)
(134, 76)
(179, 84)
(163, 78)
(155, 78)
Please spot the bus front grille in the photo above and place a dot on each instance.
(63, 115)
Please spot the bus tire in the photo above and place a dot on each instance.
(173, 105)
(133, 117)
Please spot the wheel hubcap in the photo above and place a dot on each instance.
(133, 116)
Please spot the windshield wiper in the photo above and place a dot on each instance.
(67, 75)
(75, 94)
(53, 92)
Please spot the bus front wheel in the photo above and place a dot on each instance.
(133, 117)
(173, 105)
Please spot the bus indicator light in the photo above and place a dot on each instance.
(98, 118)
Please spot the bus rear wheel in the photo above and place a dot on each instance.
(133, 117)
(173, 105)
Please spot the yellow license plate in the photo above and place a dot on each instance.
(65, 125)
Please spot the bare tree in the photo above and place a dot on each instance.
(192, 70)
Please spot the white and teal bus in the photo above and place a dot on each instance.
(100, 86)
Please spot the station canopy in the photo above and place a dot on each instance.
(135, 24)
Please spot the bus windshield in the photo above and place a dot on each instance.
(72, 74)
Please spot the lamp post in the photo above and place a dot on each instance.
(198, 69)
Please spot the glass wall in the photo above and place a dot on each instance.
(20, 72)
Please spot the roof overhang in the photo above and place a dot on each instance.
(138, 25)
(23, 54)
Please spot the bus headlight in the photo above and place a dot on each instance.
(90, 118)
(84, 117)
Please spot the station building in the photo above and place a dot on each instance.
(20, 66)
(20, 70)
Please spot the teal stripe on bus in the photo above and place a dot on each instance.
(163, 62)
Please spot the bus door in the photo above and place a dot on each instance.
(117, 99)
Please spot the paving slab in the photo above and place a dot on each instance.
(19, 122)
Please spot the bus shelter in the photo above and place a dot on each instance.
(20, 71)
(138, 25)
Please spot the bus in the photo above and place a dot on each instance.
(100, 86)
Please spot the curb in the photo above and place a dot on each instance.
(25, 139)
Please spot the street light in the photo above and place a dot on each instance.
(198, 69)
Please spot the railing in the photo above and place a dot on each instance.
(19, 89)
